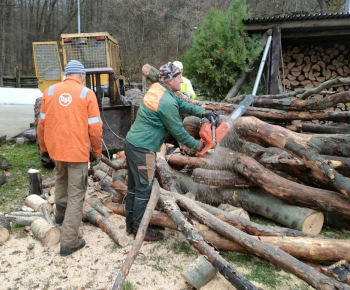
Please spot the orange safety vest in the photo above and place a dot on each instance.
(70, 122)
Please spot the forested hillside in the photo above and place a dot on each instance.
(152, 31)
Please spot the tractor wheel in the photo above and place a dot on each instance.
(135, 96)
(44, 162)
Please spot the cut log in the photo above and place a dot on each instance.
(295, 217)
(150, 73)
(199, 273)
(35, 182)
(119, 186)
(46, 233)
(105, 182)
(116, 165)
(263, 250)
(5, 229)
(99, 207)
(36, 202)
(95, 218)
(124, 270)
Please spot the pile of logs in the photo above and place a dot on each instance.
(308, 67)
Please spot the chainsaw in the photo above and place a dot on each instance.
(213, 132)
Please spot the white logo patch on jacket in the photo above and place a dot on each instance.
(65, 99)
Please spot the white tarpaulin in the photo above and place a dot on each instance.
(16, 110)
(14, 96)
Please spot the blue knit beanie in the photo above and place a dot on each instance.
(75, 67)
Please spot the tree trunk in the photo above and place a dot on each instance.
(252, 129)
(165, 172)
(300, 105)
(35, 182)
(263, 250)
(220, 178)
(46, 233)
(262, 230)
(299, 245)
(279, 115)
(321, 129)
(337, 221)
(290, 192)
(124, 270)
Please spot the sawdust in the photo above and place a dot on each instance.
(26, 264)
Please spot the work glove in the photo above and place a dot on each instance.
(194, 151)
(45, 157)
(94, 160)
(202, 146)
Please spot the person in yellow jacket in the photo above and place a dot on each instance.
(186, 86)
(69, 125)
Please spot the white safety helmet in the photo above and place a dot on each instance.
(178, 64)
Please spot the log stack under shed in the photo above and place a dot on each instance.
(309, 66)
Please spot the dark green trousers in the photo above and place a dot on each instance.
(141, 169)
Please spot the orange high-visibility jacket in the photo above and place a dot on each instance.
(70, 122)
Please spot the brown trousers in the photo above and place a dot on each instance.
(70, 189)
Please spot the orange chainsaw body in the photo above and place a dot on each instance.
(206, 135)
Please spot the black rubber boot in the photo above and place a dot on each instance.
(66, 251)
(60, 212)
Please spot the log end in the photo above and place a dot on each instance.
(313, 223)
(4, 235)
(123, 241)
(52, 237)
(146, 69)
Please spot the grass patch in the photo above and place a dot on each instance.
(22, 158)
(260, 271)
(113, 247)
(182, 247)
(128, 286)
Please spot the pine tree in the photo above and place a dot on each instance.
(220, 50)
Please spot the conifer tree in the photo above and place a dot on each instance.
(220, 50)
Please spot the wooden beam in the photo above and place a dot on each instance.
(274, 61)
(306, 23)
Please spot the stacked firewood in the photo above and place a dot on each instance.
(308, 67)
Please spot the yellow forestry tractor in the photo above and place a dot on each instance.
(99, 53)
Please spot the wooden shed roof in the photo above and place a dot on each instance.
(310, 25)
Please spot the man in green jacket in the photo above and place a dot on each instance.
(158, 115)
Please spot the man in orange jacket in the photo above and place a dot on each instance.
(69, 125)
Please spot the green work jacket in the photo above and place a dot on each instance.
(158, 115)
